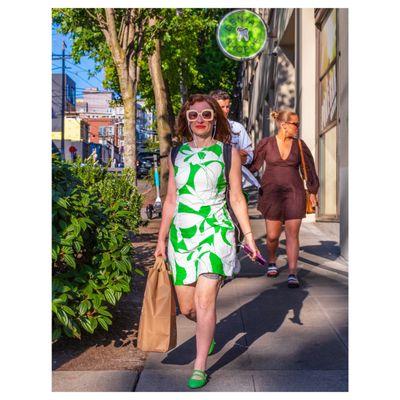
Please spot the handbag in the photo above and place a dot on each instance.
(310, 209)
(157, 326)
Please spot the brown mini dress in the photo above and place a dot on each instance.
(282, 195)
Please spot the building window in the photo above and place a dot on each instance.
(70, 94)
(110, 131)
(327, 114)
(102, 131)
(327, 71)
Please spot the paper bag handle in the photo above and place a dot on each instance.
(160, 264)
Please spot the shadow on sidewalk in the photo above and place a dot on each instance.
(273, 304)
(328, 249)
(252, 269)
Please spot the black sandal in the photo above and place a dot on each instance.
(272, 270)
(292, 281)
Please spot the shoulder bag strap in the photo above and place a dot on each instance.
(174, 153)
(303, 164)
(227, 155)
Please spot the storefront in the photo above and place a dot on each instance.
(304, 68)
(332, 116)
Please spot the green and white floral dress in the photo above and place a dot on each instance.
(201, 236)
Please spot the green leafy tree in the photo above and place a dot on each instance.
(191, 59)
(114, 38)
(173, 51)
(184, 58)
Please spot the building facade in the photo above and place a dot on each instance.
(76, 137)
(96, 109)
(76, 130)
(56, 99)
(304, 68)
(97, 101)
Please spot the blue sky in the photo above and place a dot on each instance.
(78, 72)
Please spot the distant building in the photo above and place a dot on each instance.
(106, 123)
(76, 135)
(97, 112)
(81, 106)
(76, 130)
(56, 100)
(103, 131)
(98, 101)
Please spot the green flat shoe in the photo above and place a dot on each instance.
(212, 346)
(197, 380)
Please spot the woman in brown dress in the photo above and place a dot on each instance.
(282, 196)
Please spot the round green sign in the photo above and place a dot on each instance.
(241, 34)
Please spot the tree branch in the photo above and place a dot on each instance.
(98, 17)
(136, 52)
(123, 26)
(132, 32)
(114, 43)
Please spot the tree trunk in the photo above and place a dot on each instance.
(171, 116)
(164, 128)
(128, 73)
(129, 132)
(128, 95)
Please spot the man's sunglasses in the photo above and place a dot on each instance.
(207, 115)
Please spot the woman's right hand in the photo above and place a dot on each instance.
(249, 240)
(160, 249)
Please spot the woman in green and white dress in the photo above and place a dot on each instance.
(201, 244)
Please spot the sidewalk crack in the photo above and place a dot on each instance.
(331, 324)
(136, 381)
(254, 383)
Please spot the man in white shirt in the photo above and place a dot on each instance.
(240, 140)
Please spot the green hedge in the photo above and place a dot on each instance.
(93, 213)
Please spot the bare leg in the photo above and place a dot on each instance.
(185, 296)
(292, 228)
(274, 229)
(205, 301)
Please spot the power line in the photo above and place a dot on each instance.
(75, 73)
(85, 70)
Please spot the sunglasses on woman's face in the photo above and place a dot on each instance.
(294, 123)
(207, 115)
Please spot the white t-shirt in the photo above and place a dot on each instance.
(241, 141)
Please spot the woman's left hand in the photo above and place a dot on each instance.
(313, 199)
(249, 240)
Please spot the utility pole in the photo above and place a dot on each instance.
(63, 101)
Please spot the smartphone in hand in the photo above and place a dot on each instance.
(259, 259)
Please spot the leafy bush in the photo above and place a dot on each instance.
(93, 213)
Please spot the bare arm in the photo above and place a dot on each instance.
(238, 201)
(259, 156)
(236, 197)
(167, 212)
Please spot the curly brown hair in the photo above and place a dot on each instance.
(223, 132)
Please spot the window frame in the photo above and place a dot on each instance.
(321, 17)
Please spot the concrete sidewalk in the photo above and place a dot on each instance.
(269, 337)
(94, 381)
